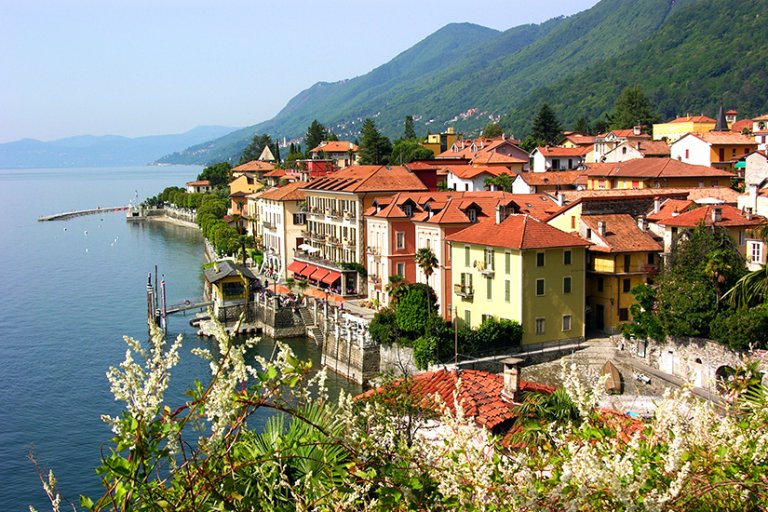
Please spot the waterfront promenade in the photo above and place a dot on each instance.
(79, 213)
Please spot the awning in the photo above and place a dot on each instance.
(319, 274)
(306, 271)
(331, 278)
(296, 266)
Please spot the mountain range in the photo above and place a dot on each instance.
(687, 55)
(106, 150)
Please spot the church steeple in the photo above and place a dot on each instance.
(722, 124)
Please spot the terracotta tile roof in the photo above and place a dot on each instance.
(556, 151)
(730, 217)
(652, 147)
(478, 393)
(725, 194)
(621, 234)
(569, 178)
(335, 146)
(741, 124)
(368, 178)
(277, 173)
(200, 183)
(253, 165)
(655, 168)
(629, 133)
(494, 158)
(517, 231)
(468, 172)
(730, 138)
(670, 207)
(579, 138)
(694, 119)
(452, 207)
(290, 192)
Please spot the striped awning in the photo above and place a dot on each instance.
(331, 278)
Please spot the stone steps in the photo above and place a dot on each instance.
(306, 316)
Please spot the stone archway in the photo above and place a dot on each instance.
(722, 376)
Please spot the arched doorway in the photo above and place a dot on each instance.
(698, 373)
(723, 376)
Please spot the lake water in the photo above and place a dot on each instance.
(71, 290)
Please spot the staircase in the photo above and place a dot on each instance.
(306, 316)
(317, 335)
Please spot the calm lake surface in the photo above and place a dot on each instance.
(71, 291)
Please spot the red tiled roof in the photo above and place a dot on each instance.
(335, 146)
(468, 172)
(368, 178)
(201, 183)
(622, 234)
(741, 124)
(488, 157)
(477, 392)
(277, 173)
(654, 168)
(554, 178)
(730, 138)
(517, 231)
(694, 119)
(556, 151)
(253, 165)
(730, 217)
(628, 133)
(669, 207)
(290, 192)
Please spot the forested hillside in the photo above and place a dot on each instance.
(687, 55)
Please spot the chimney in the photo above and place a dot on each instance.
(511, 390)
(560, 199)
(749, 213)
(501, 213)
(601, 227)
(675, 213)
(656, 204)
(717, 214)
(642, 223)
(637, 129)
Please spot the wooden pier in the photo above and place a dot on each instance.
(78, 213)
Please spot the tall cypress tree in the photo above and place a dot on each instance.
(409, 132)
(316, 133)
(546, 128)
(374, 147)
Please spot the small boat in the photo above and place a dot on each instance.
(613, 382)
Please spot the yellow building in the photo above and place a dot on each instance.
(623, 255)
(676, 128)
(520, 269)
(439, 142)
(228, 285)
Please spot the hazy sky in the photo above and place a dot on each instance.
(148, 67)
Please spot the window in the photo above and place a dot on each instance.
(627, 262)
(232, 289)
(555, 164)
(589, 234)
(485, 317)
(540, 326)
(651, 258)
(468, 317)
(687, 153)
(507, 263)
(489, 289)
(733, 152)
(573, 222)
(599, 284)
(566, 322)
(466, 256)
(624, 150)
(539, 259)
(755, 252)
(567, 284)
(507, 290)
(489, 258)
(626, 285)
(635, 184)
(466, 280)
(299, 219)
(623, 314)
(567, 257)
(408, 210)
(539, 287)
(742, 238)
(401, 269)
(472, 214)
(400, 239)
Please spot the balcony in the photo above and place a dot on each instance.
(463, 291)
(268, 225)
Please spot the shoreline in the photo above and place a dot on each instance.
(172, 220)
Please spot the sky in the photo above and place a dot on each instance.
(152, 67)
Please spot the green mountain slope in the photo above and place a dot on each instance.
(688, 54)
(706, 55)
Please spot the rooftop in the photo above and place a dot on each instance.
(622, 234)
(517, 231)
(368, 178)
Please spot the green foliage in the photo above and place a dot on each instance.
(410, 308)
(374, 147)
(357, 267)
(383, 327)
(582, 126)
(546, 128)
(742, 329)
(645, 323)
(408, 131)
(217, 174)
(501, 182)
(492, 130)
(316, 133)
(254, 149)
(539, 412)
(503, 332)
(425, 351)
(407, 150)
(633, 108)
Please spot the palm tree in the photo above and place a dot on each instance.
(749, 291)
(538, 411)
(427, 261)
